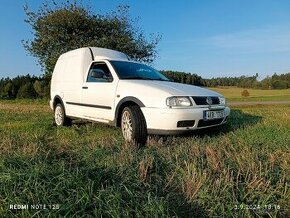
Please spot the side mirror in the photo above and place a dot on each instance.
(97, 74)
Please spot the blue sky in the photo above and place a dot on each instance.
(210, 38)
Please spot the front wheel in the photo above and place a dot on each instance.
(133, 125)
(59, 116)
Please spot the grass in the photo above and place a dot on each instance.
(90, 172)
(233, 94)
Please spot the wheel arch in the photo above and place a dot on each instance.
(127, 101)
(57, 100)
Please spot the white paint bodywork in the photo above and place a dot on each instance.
(69, 78)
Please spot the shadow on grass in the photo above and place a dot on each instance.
(86, 188)
(236, 120)
(140, 197)
(139, 194)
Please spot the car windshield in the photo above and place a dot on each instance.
(131, 70)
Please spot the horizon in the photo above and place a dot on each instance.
(210, 39)
(236, 76)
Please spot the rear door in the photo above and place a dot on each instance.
(98, 93)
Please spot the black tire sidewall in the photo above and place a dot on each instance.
(139, 127)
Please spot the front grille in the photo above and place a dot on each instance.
(203, 123)
(201, 100)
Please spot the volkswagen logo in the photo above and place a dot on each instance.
(209, 101)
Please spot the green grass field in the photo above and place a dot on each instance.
(233, 94)
(239, 170)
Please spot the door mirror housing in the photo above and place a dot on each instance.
(97, 74)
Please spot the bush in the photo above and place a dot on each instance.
(245, 93)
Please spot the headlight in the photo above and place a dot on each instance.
(178, 101)
(222, 100)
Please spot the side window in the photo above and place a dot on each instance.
(99, 72)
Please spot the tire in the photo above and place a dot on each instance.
(60, 117)
(133, 125)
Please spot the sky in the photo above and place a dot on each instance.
(210, 38)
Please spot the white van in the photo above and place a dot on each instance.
(102, 85)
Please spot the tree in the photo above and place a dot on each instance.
(39, 88)
(26, 91)
(183, 77)
(9, 90)
(58, 28)
(280, 84)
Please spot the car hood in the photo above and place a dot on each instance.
(172, 88)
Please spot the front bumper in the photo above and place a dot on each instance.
(164, 121)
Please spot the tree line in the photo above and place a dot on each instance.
(39, 87)
(183, 77)
(24, 87)
(270, 82)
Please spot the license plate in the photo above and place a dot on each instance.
(210, 115)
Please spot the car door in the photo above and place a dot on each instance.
(98, 93)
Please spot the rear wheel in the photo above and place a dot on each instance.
(133, 125)
(60, 117)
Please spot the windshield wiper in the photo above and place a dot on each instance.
(135, 77)
(160, 79)
(144, 78)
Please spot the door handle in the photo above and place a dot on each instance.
(84, 87)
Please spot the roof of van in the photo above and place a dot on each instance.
(98, 53)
